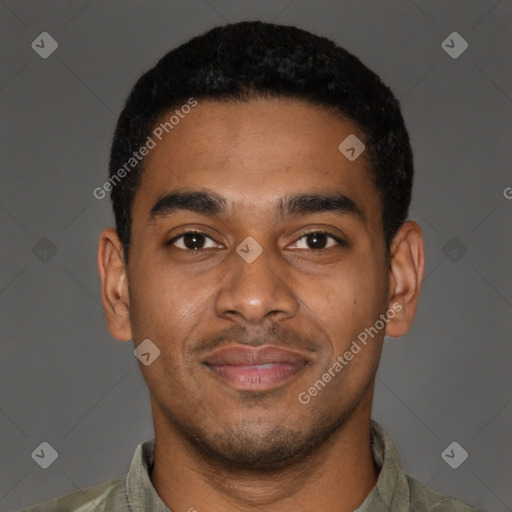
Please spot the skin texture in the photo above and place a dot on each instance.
(220, 448)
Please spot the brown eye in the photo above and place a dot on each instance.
(191, 241)
(317, 240)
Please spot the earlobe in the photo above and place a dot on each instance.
(114, 284)
(406, 269)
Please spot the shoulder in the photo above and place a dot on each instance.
(98, 498)
(423, 498)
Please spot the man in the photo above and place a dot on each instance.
(261, 178)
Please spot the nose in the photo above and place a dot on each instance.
(257, 290)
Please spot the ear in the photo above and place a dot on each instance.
(406, 269)
(114, 285)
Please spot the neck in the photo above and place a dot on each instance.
(337, 477)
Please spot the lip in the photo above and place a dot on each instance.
(255, 369)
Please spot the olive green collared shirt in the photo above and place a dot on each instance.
(395, 491)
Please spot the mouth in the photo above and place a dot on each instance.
(255, 369)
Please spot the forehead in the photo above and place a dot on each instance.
(254, 153)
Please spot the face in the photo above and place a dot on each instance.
(257, 258)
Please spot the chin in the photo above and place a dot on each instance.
(253, 446)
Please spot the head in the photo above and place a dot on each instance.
(296, 246)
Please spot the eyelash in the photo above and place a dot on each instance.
(314, 232)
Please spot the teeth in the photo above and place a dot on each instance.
(262, 366)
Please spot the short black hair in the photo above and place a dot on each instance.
(254, 59)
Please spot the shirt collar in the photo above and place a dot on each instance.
(140, 493)
(391, 492)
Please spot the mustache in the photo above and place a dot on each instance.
(271, 334)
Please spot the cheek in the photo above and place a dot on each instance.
(161, 303)
(351, 301)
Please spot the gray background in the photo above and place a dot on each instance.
(63, 378)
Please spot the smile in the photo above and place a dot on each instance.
(255, 369)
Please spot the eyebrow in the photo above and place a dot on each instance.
(209, 203)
